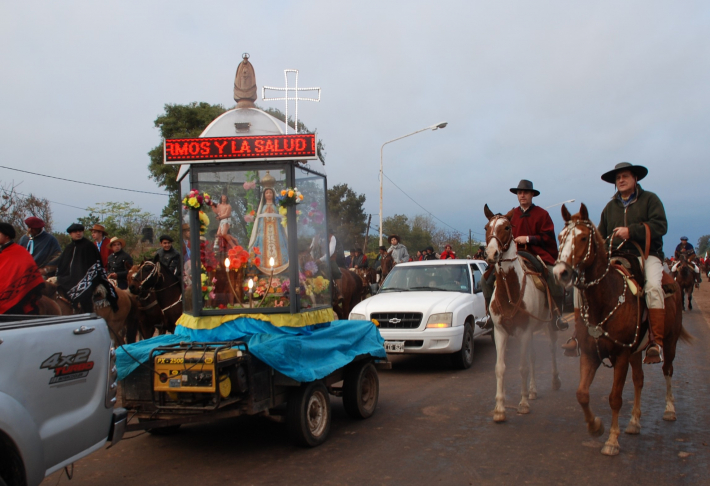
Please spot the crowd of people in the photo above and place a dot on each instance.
(78, 269)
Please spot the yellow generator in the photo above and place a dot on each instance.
(202, 376)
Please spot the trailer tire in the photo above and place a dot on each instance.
(169, 430)
(361, 390)
(308, 415)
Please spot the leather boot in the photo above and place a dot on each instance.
(571, 347)
(657, 324)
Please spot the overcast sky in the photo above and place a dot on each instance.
(553, 91)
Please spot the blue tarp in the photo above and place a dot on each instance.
(301, 353)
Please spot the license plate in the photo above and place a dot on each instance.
(394, 346)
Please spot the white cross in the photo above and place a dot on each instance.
(288, 98)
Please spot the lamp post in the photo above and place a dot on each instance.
(433, 127)
(560, 203)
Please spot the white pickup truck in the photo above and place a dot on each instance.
(434, 307)
(57, 394)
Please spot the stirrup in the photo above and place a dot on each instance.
(560, 324)
(571, 348)
(654, 354)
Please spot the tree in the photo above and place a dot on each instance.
(302, 128)
(346, 216)
(15, 208)
(178, 121)
(703, 245)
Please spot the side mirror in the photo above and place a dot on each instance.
(374, 288)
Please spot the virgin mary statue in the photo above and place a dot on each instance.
(269, 235)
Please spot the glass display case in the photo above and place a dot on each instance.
(254, 239)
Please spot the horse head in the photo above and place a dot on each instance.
(144, 278)
(499, 235)
(579, 245)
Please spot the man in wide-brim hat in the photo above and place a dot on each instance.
(119, 262)
(625, 217)
(398, 250)
(100, 236)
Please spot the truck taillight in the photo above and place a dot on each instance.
(111, 382)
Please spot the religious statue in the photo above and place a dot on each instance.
(245, 84)
(269, 235)
(223, 240)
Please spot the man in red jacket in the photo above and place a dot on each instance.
(98, 233)
(534, 233)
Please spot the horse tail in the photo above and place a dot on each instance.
(685, 336)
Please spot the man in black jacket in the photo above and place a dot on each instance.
(169, 257)
(119, 262)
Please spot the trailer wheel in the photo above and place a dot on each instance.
(361, 390)
(308, 415)
(169, 430)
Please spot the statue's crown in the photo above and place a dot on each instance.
(268, 181)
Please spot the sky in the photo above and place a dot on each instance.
(557, 92)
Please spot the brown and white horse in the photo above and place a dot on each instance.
(685, 276)
(517, 307)
(610, 324)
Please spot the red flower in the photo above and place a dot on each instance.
(257, 250)
(257, 261)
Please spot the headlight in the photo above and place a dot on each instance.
(440, 320)
(357, 317)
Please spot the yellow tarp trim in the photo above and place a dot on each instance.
(303, 319)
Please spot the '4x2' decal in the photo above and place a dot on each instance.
(70, 367)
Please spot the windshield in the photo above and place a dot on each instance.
(447, 278)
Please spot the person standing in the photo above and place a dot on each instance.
(98, 233)
(398, 250)
(119, 262)
(43, 246)
(80, 271)
(21, 284)
(448, 253)
(168, 256)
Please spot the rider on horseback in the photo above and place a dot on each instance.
(21, 285)
(686, 248)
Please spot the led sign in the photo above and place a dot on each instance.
(222, 149)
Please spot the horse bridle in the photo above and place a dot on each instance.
(155, 270)
(580, 282)
(493, 236)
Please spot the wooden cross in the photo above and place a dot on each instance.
(288, 98)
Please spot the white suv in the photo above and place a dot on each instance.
(433, 306)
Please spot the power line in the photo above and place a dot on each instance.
(425, 209)
(53, 202)
(86, 183)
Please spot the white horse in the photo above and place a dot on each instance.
(517, 307)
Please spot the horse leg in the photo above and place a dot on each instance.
(501, 338)
(556, 383)
(621, 368)
(669, 344)
(532, 391)
(587, 370)
(690, 299)
(525, 339)
(634, 426)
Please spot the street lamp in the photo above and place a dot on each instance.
(560, 203)
(433, 127)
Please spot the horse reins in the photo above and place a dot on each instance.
(156, 270)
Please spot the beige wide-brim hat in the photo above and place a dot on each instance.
(117, 239)
(98, 227)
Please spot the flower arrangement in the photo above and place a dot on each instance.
(310, 268)
(195, 199)
(289, 197)
(204, 222)
(239, 257)
(249, 217)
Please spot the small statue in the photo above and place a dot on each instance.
(245, 84)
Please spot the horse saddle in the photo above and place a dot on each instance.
(536, 265)
(630, 265)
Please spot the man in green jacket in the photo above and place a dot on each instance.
(624, 217)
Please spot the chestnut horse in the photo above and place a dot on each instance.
(685, 276)
(386, 265)
(152, 276)
(611, 323)
(517, 307)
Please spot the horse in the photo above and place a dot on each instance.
(151, 275)
(48, 307)
(386, 265)
(517, 307)
(611, 323)
(149, 316)
(351, 288)
(685, 277)
(367, 277)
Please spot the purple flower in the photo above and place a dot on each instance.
(311, 266)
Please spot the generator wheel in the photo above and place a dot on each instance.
(169, 430)
(308, 415)
(361, 390)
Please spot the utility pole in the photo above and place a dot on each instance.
(367, 233)
(470, 244)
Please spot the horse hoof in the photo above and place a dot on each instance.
(669, 416)
(523, 409)
(532, 395)
(556, 383)
(610, 450)
(633, 429)
(597, 428)
(499, 417)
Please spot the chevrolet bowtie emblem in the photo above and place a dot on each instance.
(394, 320)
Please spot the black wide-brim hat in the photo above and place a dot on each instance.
(525, 185)
(638, 170)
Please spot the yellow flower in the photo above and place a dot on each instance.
(282, 211)
(193, 202)
(206, 196)
(300, 196)
(290, 193)
(283, 193)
